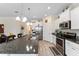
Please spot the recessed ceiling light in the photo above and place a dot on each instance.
(49, 7)
(16, 11)
(45, 15)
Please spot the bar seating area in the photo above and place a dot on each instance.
(19, 35)
(5, 38)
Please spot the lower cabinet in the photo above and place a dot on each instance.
(71, 48)
(54, 39)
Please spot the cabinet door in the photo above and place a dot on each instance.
(57, 22)
(54, 39)
(68, 48)
(65, 16)
(72, 49)
(75, 18)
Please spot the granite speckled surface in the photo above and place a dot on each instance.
(18, 46)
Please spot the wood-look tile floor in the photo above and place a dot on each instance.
(44, 49)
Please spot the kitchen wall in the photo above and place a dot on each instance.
(48, 28)
(10, 25)
(53, 23)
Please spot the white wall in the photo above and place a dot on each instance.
(48, 28)
(10, 25)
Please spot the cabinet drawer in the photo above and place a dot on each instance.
(72, 49)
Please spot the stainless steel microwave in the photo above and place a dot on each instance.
(65, 25)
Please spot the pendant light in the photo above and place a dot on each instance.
(29, 23)
(24, 19)
(18, 18)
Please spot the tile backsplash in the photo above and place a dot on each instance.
(72, 31)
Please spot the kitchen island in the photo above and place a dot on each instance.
(19, 46)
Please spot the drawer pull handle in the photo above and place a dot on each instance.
(73, 48)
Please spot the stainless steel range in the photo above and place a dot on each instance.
(61, 36)
(59, 49)
(60, 43)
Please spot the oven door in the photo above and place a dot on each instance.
(60, 45)
(60, 42)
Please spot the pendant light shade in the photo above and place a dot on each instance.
(24, 19)
(18, 19)
(28, 23)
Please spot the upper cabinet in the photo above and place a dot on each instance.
(57, 22)
(65, 16)
(75, 18)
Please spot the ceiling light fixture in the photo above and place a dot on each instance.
(28, 23)
(49, 7)
(24, 19)
(18, 18)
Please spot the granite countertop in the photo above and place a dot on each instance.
(77, 39)
(18, 46)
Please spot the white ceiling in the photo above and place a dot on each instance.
(37, 10)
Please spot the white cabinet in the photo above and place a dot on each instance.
(57, 22)
(65, 16)
(72, 49)
(54, 39)
(75, 18)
